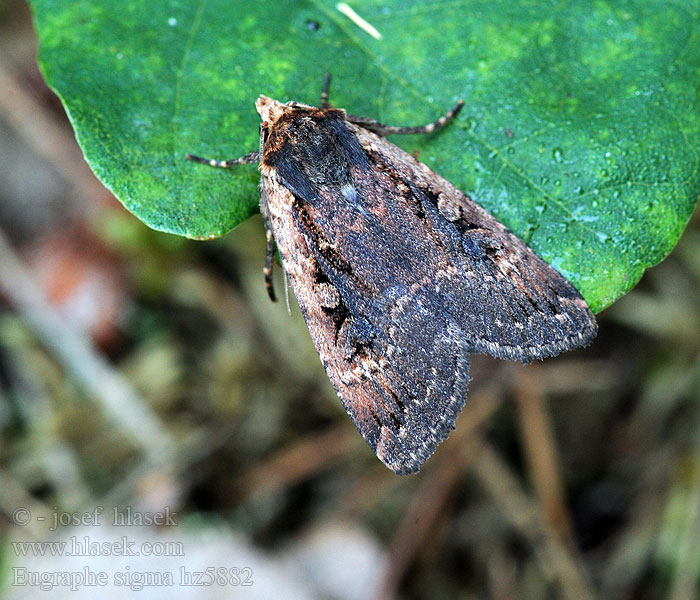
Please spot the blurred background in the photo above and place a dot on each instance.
(147, 379)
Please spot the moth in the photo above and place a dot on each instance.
(399, 275)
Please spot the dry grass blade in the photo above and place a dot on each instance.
(541, 451)
(436, 487)
(46, 136)
(555, 560)
(81, 360)
(298, 461)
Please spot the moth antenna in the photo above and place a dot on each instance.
(269, 257)
(385, 130)
(325, 90)
(251, 157)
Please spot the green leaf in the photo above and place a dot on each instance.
(581, 130)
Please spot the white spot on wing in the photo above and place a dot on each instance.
(349, 192)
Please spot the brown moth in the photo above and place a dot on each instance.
(399, 275)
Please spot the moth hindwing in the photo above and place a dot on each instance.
(399, 275)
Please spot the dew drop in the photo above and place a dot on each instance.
(558, 154)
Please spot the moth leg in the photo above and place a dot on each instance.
(324, 91)
(251, 157)
(384, 130)
(269, 257)
(270, 239)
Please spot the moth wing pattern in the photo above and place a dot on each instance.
(400, 276)
(401, 374)
(508, 301)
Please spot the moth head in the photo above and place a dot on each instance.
(299, 125)
(269, 110)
